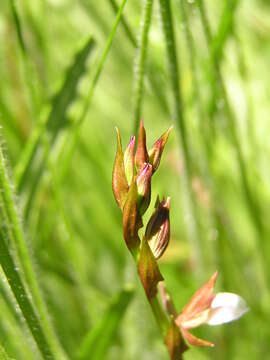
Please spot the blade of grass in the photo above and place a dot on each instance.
(252, 205)
(125, 24)
(28, 71)
(71, 141)
(19, 291)
(57, 118)
(97, 342)
(19, 244)
(178, 115)
(140, 59)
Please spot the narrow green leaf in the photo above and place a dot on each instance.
(70, 143)
(10, 219)
(19, 291)
(178, 114)
(97, 342)
(57, 118)
(140, 60)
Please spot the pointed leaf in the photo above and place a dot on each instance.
(119, 181)
(148, 270)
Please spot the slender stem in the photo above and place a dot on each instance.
(252, 205)
(20, 246)
(140, 59)
(125, 24)
(160, 315)
(178, 114)
(70, 143)
(17, 286)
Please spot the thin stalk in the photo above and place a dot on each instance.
(17, 286)
(178, 114)
(218, 220)
(70, 143)
(20, 246)
(160, 315)
(140, 59)
(28, 72)
(125, 24)
(252, 205)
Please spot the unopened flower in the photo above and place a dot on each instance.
(158, 228)
(129, 160)
(143, 181)
(206, 307)
(157, 149)
(141, 153)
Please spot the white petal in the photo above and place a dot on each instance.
(226, 307)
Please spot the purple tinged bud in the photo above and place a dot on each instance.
(157, 149)
(129, 160)
(144, 187)
(141, 153)
(157, 231)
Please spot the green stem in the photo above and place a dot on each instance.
(20, 246)
(160, 315)
(19, 291)
(252, 205)
(178, 114)
(70, 143)
(140, 59)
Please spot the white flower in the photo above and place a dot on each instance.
(205, 307)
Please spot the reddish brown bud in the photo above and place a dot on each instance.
(129, 160)
(141, 153)
(174, 342)
(132, 220)
(119, 181)
(158, 228)
(148, 270)
(144, 187)
(157, 149)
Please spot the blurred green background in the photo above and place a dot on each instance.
(59, 105)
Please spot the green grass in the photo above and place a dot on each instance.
(71, 72)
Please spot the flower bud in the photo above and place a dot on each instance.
(119, 180)
(157, 149)
(129, 160)
(144, 187)
(132, 220)
(158, 228)
(141, 153)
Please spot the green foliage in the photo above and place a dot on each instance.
(70, 72)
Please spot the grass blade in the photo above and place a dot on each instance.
(140, 59)
(178, 115)
(71, 142)
(18, 240)
(96, 343)
(57, 118)
(19, 291)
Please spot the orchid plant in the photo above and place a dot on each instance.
(131, 182)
